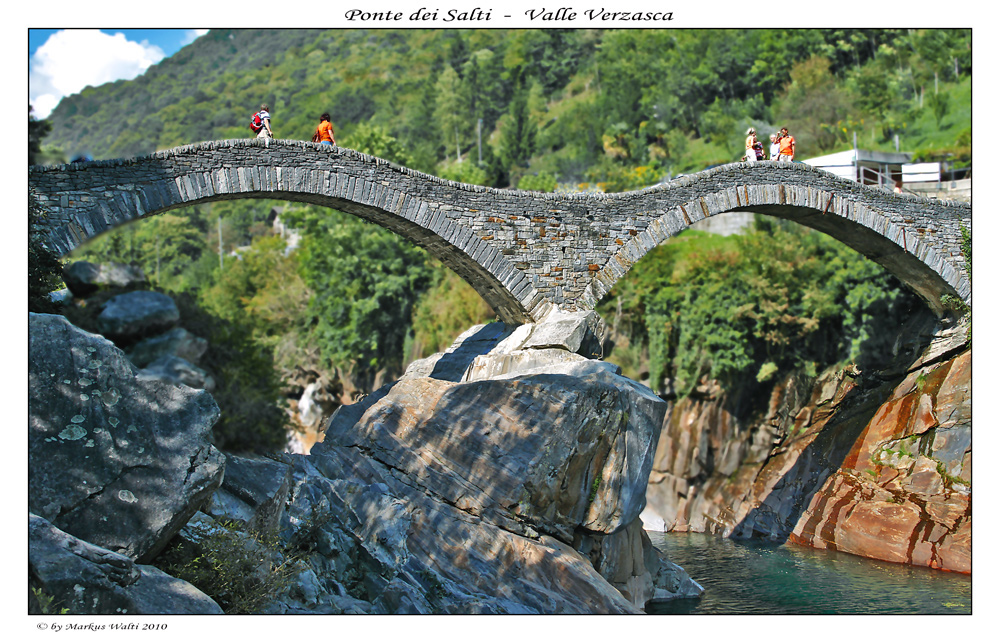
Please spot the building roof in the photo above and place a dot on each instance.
(871, 156)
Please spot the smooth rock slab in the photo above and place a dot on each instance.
(412, 551)
(555, 452)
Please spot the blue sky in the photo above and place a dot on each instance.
(62, 62)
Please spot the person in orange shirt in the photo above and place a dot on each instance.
(786, 146)
(324, 131)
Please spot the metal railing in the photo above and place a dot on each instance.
(861, 174)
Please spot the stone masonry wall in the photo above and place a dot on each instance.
(522, 251)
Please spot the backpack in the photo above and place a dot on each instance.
(256, 122)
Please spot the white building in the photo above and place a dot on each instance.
(893, 171)
(867, 166)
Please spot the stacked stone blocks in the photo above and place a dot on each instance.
(523, 252)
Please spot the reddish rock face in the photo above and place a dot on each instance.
(883, 473)
(906, 455)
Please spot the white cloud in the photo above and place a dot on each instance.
(72, 59)
(191, 34)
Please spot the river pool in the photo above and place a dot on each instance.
(751, 577)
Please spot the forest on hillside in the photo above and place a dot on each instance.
(542, 110)
(580, 105)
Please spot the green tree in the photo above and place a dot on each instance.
(450, 115)
(375, 140)
(712, 309)
(482, 89)
(44, 266)
(37, 130)
(812, 106)
(262, 287)
(517, 134)
(448, 308)
(365, 282)
(629, 64)
(939, 106)
(164, 246)
(872, 91)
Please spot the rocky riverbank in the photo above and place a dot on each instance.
(505, 475)
(874, 464)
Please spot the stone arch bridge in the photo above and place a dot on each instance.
(524, 252)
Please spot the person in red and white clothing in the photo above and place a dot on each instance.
(265, 115)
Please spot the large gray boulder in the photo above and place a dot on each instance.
(492, 350)
(81, 578)
(553, 452)
(114, 458)
(178, 342)
(84, 278)
(177, 371)
(252, 494)
(514, 487)
(380, 545)
(136, 314)
(504, 475)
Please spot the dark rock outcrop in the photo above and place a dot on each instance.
(253, 493)
(117, 459)
(513, 487)
(177, 371)
(137, 314)
(81, 578)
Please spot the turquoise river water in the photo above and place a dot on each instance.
(749, 577)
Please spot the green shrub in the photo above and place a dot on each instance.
(45, 604)
(767, 369)
(241, 571)
(541, 182)
(464, 172)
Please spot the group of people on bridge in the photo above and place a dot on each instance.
(782, 144)
(782, 147)
(260, 125)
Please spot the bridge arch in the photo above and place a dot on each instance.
(106, 194)
(902, 233)
(523, 252)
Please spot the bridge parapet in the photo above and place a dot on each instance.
(524, 252)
